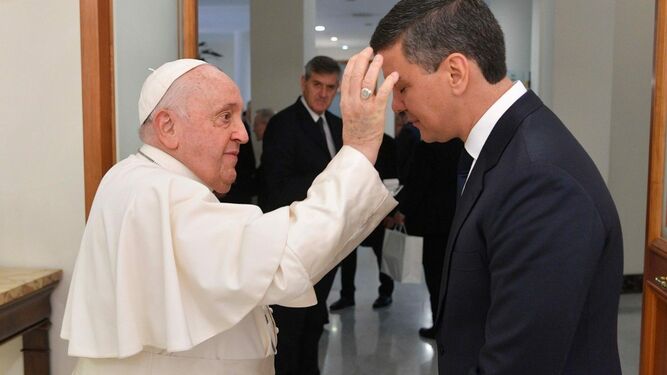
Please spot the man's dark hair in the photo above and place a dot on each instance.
(431, 30)
(322, 65)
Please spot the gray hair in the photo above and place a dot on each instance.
(321, 65)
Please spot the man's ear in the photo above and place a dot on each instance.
(303, 83)
(165, 129)
(456, 68)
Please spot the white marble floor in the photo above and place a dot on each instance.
(360, 340)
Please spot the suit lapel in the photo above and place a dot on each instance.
(336, 130)
(493, 148)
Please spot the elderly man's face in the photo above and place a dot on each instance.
(319, 90)
(424, 98)
(213, 130)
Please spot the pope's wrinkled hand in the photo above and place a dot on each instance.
(364, 112)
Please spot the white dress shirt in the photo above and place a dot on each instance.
(481, 130)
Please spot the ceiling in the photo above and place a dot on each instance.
(351, 21)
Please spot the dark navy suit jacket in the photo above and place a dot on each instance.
(294, 153)
(533, 265)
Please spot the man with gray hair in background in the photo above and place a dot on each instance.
(298, 144)
(169, 281)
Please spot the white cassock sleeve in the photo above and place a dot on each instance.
(163, 264)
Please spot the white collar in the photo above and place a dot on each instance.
(167, 162)
(313, 114)
(480, 132)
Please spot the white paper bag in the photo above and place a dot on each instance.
(393, 185)
(402, 256)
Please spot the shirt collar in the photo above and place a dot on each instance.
(313, 114)
(167, 162)
(480, 132)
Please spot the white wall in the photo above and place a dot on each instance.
(514, 18)
(599, 83)
(630, 122)
(41, 151)
(277, 50)
(145, 36)
(582, 75)
(541, 60)
(309, 14)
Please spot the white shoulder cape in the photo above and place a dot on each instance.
(163, 264)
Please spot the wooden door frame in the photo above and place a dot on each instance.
(658, 115)
(656, 246)
(97, 83)
(189, 29)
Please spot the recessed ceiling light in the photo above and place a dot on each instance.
(320, 28)
(345, 47)
(334, 39)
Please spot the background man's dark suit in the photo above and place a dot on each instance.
(246, 184)
(294, 153)
(428, 201)
(533, 266)
(386, 165)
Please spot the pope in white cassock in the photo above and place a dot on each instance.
(168, 280)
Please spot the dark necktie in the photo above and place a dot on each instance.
(462, 170)
(327, 136)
